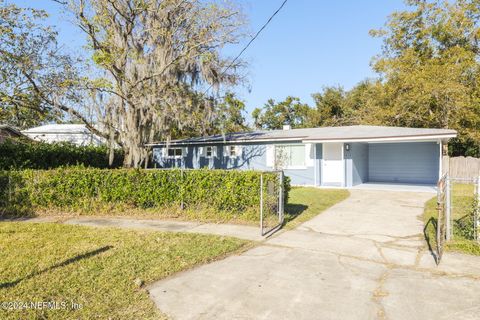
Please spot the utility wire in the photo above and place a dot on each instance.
(250, 42)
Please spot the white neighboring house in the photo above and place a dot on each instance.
(74, 133)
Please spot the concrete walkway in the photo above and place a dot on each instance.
(364, 258)
(232, 230)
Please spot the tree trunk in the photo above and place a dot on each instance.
(127, 161)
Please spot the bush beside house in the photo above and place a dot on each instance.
(228, 194)
(21, 154)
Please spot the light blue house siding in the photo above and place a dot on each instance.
(400, 162)
(253, 157)
(404, 162)
(356, 164)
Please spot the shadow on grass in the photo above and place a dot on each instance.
(462, 234)
(57, 265)
(464, 227)
(292, 211)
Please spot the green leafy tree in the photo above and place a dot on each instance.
(288, 112)
(330, 107)
(430, 68)
(35, 76)
(228, 117)
(365, 104)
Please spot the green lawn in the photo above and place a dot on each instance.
(305, 203)
(99, 269)
(104, 271)
(462, 205)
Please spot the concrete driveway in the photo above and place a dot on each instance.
(364, 258)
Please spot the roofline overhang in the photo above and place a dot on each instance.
(313, 140)
(56, 132)
(386, 139)
(180, 143)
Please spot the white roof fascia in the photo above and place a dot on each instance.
(55, 132)
(227, 141)
(385, 139)
(304, 139)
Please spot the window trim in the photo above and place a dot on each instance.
(229, 149)
(213, 151)
(234, 149)
(167, 156)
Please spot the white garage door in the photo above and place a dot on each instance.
(413, 162)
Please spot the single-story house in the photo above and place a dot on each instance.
(75, 133)
(328, 156)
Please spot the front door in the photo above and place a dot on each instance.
(332, 170)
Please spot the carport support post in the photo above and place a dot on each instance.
(448, 210)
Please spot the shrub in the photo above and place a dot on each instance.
(20, 154)
(88, 190)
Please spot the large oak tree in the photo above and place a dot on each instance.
(158, 58)
(154, 62)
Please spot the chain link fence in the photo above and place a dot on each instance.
(458, 208)
(271, 203)
(199, 194)
(476, 216)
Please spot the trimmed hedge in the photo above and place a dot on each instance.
(89, 190)
(20, 154)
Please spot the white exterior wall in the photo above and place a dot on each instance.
(80, 139)
(73, 133)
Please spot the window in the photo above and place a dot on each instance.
(232, 151)
(210, 151)
(290, 156)
(174, 152)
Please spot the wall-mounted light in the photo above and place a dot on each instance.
(347, 147)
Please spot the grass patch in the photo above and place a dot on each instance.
(462, 206)
(100, 269)
(305, 203)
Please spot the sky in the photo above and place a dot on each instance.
(310, 44)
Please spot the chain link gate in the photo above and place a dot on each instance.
(458, 205)
(271, 202)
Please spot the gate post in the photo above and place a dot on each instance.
(476, 217)
(280, 199)
(182, 191)
(261, 204)
(448, 209)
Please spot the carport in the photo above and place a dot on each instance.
(373, 157)
(413, 166)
